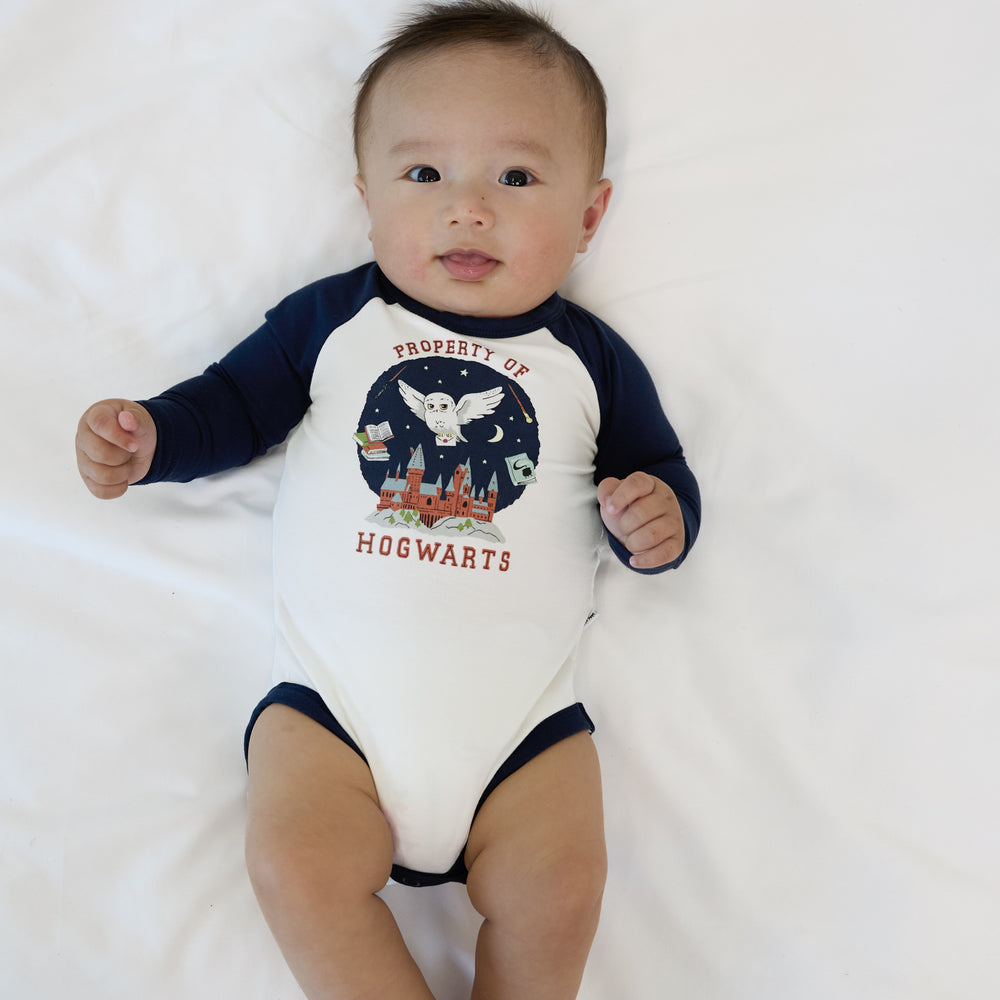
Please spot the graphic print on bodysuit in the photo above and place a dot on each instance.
(445, 444)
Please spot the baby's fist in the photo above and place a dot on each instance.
(115, 442)
(642, 512)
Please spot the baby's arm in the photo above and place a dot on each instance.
(115, 443)
(649, 498)
(643, 513)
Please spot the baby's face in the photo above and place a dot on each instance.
(477, 177)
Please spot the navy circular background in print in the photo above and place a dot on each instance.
(426, 418)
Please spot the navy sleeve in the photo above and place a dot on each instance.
(635, 434)
(230, 414)
(251, 399)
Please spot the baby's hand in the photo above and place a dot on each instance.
(115, 441)
(644, 515)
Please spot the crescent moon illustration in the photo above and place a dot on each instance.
(499, 435)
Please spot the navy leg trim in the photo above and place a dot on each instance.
(309, 703)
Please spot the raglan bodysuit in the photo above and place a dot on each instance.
(436, 532)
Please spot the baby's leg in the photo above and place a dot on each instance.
(537, 865)
(318, 849)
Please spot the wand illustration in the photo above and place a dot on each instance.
(519, 403)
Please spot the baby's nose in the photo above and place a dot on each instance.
(470, 207)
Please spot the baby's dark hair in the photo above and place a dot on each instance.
(435, 26)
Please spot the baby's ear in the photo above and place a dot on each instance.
(359, 183)
(595, 212)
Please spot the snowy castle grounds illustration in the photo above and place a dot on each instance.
(408, 501)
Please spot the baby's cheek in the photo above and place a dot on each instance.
(400, 263)
(416, 270)
(545, 262)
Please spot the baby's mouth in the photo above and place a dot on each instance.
(468, 265)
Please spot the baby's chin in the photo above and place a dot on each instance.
(495, 296)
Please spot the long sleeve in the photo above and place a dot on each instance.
(251, 399)
(230, 414)
(635, 434)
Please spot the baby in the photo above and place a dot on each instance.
(456, 433)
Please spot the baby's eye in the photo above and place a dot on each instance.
(423, 175)
(516, 178)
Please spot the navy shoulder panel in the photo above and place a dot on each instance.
(302, 322)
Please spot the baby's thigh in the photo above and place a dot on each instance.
(538, 840)
(313, 813)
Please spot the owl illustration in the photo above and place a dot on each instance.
(443, 415)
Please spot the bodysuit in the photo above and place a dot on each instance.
(436, 530)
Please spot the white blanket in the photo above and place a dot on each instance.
(797, 729)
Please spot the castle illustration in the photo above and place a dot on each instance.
(431, 503)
